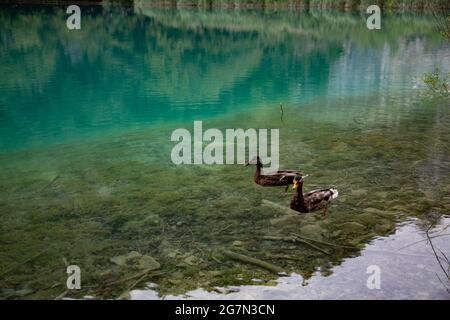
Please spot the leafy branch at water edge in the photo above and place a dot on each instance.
(442, 23)
(436, 83)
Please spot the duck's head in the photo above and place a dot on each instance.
(255, 160)
(298, 181)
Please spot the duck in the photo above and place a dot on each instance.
(313, 200)
(279, 178)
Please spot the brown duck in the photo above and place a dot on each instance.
(279, 178)
(313, 200)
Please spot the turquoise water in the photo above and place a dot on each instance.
(128, 70)
(85, 123)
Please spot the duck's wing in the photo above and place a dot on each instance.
(272, 177)
(289, 172)
(320, 195)
(284, 173)
(274, 174)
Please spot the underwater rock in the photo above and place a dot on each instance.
(175, 281)
(132, 226)
(384, 227)
(152, 219)
(166, 249)
(237, 243)
(287, 220)
(191, 260)
(311, 231)
(446, 188)
(369, 219)
(379, 212)
(148, 263)
(388, 214)
(359, 192)
(125, 296)
(7, 292)
(126, 259)
(104, 191)
(373, 210)
(400, 208)
(381, 194)
(215, 273)
(23, 292)
(352, 227)
(135, 259)
(278, 207)
(336, 233)
(341, 147)
(172, 254)
(359, 241)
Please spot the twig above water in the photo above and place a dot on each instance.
(419, 241)
(438, 258)
(281, 111)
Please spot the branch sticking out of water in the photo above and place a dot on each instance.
(439, 258)
(281, 111)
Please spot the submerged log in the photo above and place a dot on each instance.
(249, 260)
(294, 239)
(324, 242)
(23, 262)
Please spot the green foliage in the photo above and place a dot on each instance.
(437, 83)
(442, 24)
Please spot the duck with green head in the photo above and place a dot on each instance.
(313, 200)
(278, 178)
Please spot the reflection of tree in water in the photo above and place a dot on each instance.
(136, 68)
(195, 55)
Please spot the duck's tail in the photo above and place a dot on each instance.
(334, 193)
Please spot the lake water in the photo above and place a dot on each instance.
(86, 175)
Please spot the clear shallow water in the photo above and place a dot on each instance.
(86, 119)
(408, 270)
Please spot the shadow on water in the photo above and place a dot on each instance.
(86, 175)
